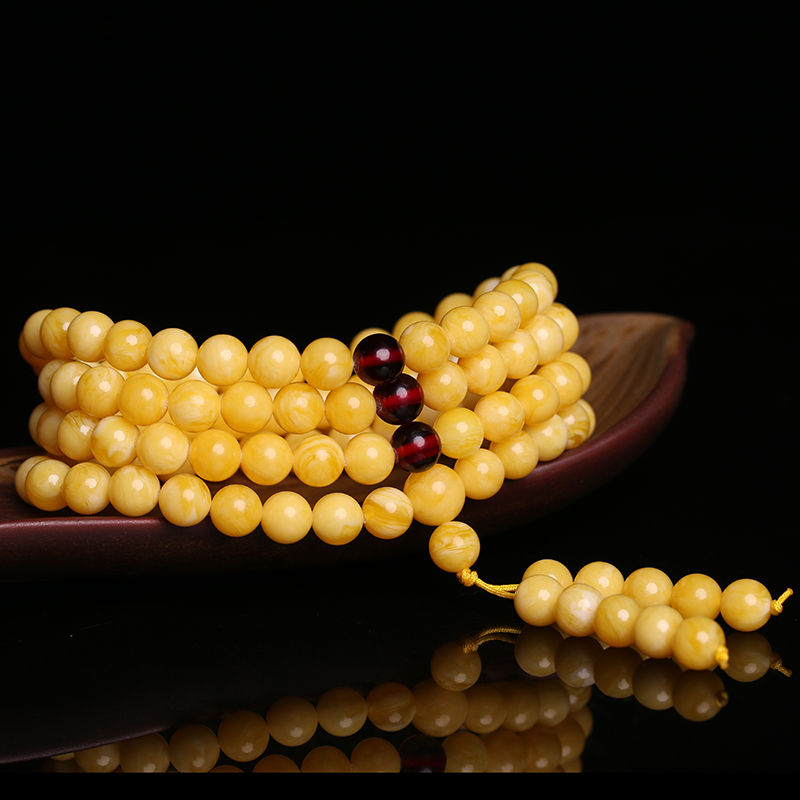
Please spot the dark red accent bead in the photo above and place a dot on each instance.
(399, 401)
(420, 753)
(378, 359)
(417, 446)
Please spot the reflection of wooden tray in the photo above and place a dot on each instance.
(639, 366)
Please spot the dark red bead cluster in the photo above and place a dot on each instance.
(378, 360)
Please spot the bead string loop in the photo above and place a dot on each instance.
(470, 578)
(777, 605)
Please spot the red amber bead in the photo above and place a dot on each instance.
(378, 359)
(399, 401)
(417, 446)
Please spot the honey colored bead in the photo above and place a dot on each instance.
(350, 408)
(486, 371)
(467, 331)
(696, 596)
(448, 303)
(409, 319)
(540, 281)
(538, 396)
(163, 448)
(523, 295)
(699, 696)
(465, 752)
(286, 517)
(579, 424)
(184, 500)
(148, 753)
(653, 683)
(266, 458)
(236, 510)
(604, 577)
(648, 586)
(326, 363)
(98, 391)
(243, 736)
(535, 650)
(22, 473)
(43, 484)
(551, 437)
(388, 513)
(246, 407)
(193, 748)
(172, 354)
(535, 266)
(298, 408)
(445, 387)
(507, 752)
(318, 460)
(292, 721)
(425, 345)
(45, 378)
(654, 630)
(555, 569)
(549, 337)
(437, 495)
(86, 335)
(567, 321)
(341, 712)
(54, 332)
(482, 473)
(143, 399)
(85, 488)
(460, 432)
(47, 429)
(522, 703)
(746, 605)
(543, 749)
(439, 712)
(215, 455)
(98, 759)
(592, 416)
(31, 334)
(566, 379)
(535, 599)
(391, 706)
(455, 668)
(64, 384)
(274, 362)
(337, 518)
(369, 458)
(276, 763)
(518, 454)
(125, 345)
(502, 415)
(501, 312)
(133, 490)
(615, 619)
(454, 546)
(194, 406)
(521, 354)
(580, 363)
(375, 755)
(114, 441)
(697, 642)
(222, 360)
(486, 708)
(576, 608)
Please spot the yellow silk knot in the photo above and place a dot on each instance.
(723, 656)
(470, 578)
(777, 605)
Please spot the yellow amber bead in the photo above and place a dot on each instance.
(551, 437)
(548, 566)
(369, 458)
(501, 414)
(274, 362)
(74, 436)
(163, 448)
(568, 322)
(87, 334)
(98, 391)
(148, 753)
(337, 518)
(654, 630)
(486, 285)
(523, 295)
(246, 407)
(222, 360)
(47, 429)
(648, 586)
(425, 345)
(518, 454)
(114, 441)
(486, 371)
(454, 546)
(460, 432)
(388, 513)
(266, 458)
(538, 396)
(45, 378)
(22, 473)
(193, 748)
(615, 619)
(580, 363)
(548, 335)
(467, 331)
(482, 474)
(194, 406)
(125, 345)
(243, 735)
(325, 759)
(466, 753)
(437, 495)
(326, 363)
(54, 332)
(604, 577)
(341, 711)
(696, 595)
(440, 712)
(318, 460)
(590, 412)
(184, 500)
(276, 763)
(64, 384)
(445, 387)
(298, 408)
(286, 517)
(455, 668)
(521, 354)
(85, 488)
(236, 510)
(292, 721)
(172, 354)
(350, 408)
(578, 422)
(576, 608)
(133, 490)
(375, 755)
(104, 758)
(746, 605)
(215, 455)
(31, 334)
(501, 312)
(540, 281)
(535, 599)
(406, 320)
(697, 642)
(44, 482)
(391, 706)
(451, 301)
(143, 399)
(535, 266)
(566, 379)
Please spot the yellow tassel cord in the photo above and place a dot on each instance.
(470, 578)
(777, 605)
(470, 644)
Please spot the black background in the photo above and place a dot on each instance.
(251, 190)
